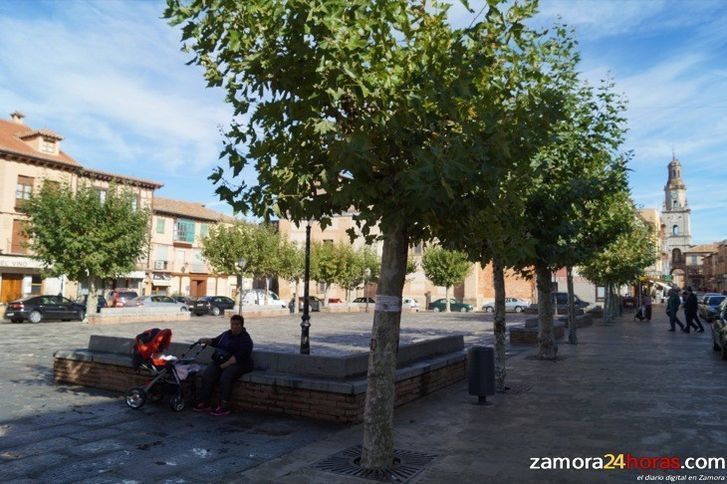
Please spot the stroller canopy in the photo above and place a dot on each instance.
(150, 343)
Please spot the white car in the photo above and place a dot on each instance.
(257, 296)
(511, 304)
(409, 303)
(157, 301)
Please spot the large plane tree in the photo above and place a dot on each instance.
(346, 104)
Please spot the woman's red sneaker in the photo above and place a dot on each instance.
(202, 407)
(220, 411)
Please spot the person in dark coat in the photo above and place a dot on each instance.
(232, 358)
(691, 305)
(672, 308)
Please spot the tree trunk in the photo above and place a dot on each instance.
(325, 294)
(547, 346)
(267, 289)
(378, 438)
(447, 308)
(572, 339)
(498, 282)
(91, 300)
(607, 305)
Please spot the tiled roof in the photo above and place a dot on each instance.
(10, 142)
(703, 248)
(42, 132)
(113, 176)
(189, 209)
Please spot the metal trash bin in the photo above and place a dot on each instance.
(481, 372)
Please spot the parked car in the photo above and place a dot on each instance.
(512, 304)
(362, 300)
(80, 303)
(334, 300)
(560, 299)
(119, 297)
(314, 304)
(454, 305)
(409, 303)
(257, 296)
(187, 301)
(38, 308)
(709, 307)
(629, 301)
(214, 305)
(158, 301)
(719, 330)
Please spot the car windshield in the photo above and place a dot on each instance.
(716, 300)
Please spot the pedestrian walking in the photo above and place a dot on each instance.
(672, 308)
(646, 300)
(691, 305)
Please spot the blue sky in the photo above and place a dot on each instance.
(109, 77)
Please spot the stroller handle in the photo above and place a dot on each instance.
(196, 343)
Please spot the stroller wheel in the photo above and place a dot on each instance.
(177, 403)
(136, 398)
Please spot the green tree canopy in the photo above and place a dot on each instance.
(445, 267)
(83, 237)
(356, 104)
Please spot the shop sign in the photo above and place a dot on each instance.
(27, 262)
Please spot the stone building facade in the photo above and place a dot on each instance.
(30, 158)
(176, 265)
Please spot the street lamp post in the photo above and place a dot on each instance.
(367, 275)
(305, 319)
(241, 263)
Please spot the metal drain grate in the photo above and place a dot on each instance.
(517, 388)
(407, 464)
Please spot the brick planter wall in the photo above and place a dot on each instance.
(529, 336)
(276, 399)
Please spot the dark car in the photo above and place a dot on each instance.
(709, 307)
(80, 303)
(214, 305)
(38, 308)
(454, 305)
(560, 300)
(719, 330)
(629, 301)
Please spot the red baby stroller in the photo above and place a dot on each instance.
(148, 355)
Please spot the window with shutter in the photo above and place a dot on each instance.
(23, 190)
(17, 245)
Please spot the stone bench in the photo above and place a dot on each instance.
(320, 387)
(582, 320)
(528, 334)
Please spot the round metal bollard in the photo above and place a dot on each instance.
(481, 372)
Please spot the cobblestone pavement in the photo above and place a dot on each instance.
(63, 433)
(626, 388)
